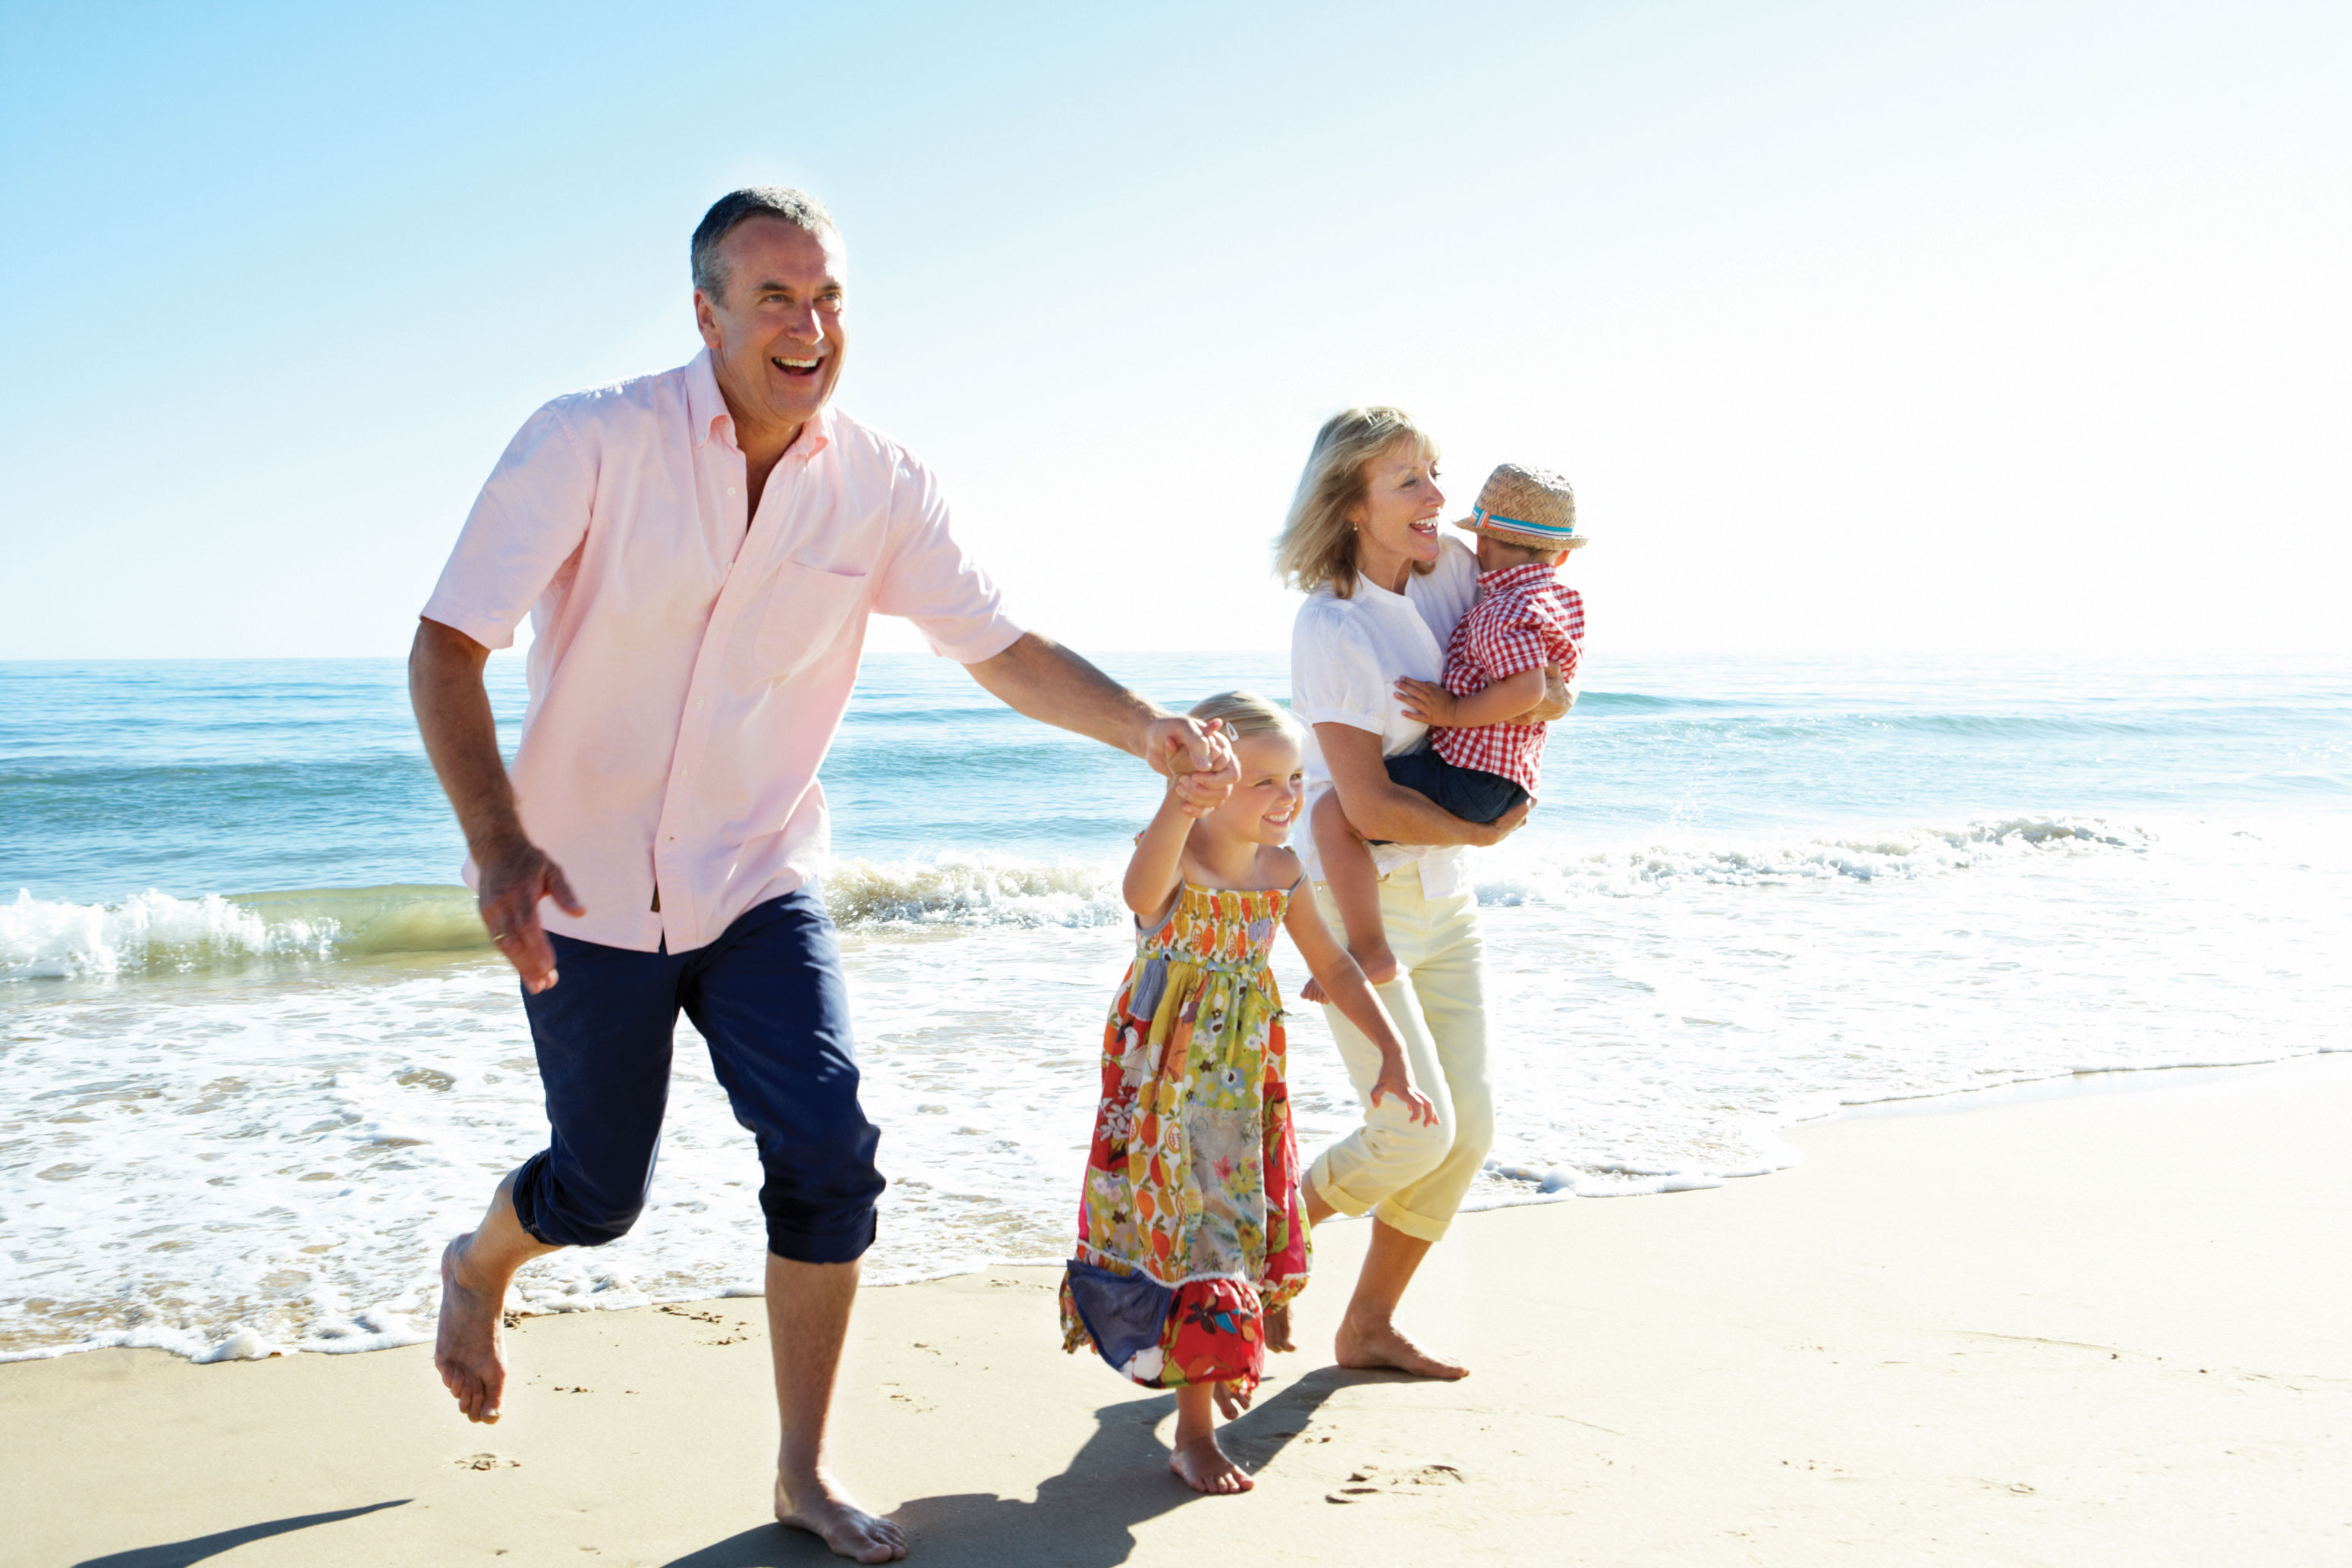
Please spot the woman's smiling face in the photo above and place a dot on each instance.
(1396, 522)
(1265, 805)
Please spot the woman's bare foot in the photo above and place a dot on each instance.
(1202, 1466)
(465, 1348)
(815, 1504)
(1364, 1347)
(1277, 1329)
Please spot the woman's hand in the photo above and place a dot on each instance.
(1425, 702)
(1558, 698)
(1396, 1078)
(1504, 826)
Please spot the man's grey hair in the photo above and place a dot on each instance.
(797, 208)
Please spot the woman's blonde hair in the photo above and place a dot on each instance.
(1319, 543)
(1247, 713)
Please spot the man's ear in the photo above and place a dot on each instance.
(706, 321)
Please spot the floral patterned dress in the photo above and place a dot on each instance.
(1192, 1224)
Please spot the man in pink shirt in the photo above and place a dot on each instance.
(700, 551)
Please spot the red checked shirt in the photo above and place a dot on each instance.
(1524, 620)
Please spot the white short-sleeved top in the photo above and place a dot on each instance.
(1346, 655)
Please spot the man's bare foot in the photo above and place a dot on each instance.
(1277, 1329)
(823, 1509)
(1385, 1346)
(466, 1347)
(1202, 1466)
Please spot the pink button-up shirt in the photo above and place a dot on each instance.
(690, 665)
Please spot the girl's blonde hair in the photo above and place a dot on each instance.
(1247, 713)
(1319, 543)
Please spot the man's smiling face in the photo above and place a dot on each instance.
(775, 338)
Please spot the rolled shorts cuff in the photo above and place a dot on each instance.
(1419, 1226)
(1328, 1189)
(845, 1244)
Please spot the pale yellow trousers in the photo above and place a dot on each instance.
(1412, 1175)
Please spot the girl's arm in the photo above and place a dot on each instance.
(1157, 867)
(1357, 1003)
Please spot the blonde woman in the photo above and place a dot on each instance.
(1383, 590)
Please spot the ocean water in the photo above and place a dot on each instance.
(259, 1063)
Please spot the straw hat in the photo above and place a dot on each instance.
(1532, 507)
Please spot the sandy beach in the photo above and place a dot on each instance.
(2099, 1327)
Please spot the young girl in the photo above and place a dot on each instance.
(1191, 1235)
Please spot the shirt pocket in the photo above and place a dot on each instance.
(809, 613)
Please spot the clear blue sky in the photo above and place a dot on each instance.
(1858, 326)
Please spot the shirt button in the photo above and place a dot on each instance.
(731, 489)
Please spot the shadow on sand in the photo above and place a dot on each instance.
(180, 1554)
(1083, 1517)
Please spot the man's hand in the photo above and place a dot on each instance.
(1425, 702)
(1196, 757)
(513, 880)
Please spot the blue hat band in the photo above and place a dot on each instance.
(1541, 530)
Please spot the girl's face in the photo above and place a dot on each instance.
(1265, 804)
(1396, 522)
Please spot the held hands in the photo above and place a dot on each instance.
(1396, 1078)
(1198, 760)
(514, 878)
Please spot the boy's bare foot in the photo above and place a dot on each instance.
(1277, 1329)
(1313, 991)
(465, 1348)
(815, 1504)
(1202, 1466)
(1385, 1346)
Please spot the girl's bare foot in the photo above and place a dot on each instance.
(1277, 1329)
(1202, 1466)
(823, 1509)
(1232, 1400)
(1385, 1345)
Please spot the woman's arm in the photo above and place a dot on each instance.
(1156, 868)
(1381, 809)
(1359, 1004)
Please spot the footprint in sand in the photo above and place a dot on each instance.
(1369, 1482)
(484, 1462)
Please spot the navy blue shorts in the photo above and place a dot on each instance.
(768, 996)
(1472, 796)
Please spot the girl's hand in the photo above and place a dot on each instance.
(1424, 702)
(1202, 791)
(1396, 1078)
(1197, 758)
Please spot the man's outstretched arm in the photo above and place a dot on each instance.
(453, 713)
(1040, 679)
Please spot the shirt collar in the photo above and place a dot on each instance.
(1517, 578)
(705, 407)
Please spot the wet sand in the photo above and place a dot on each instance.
(2088, 1328)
